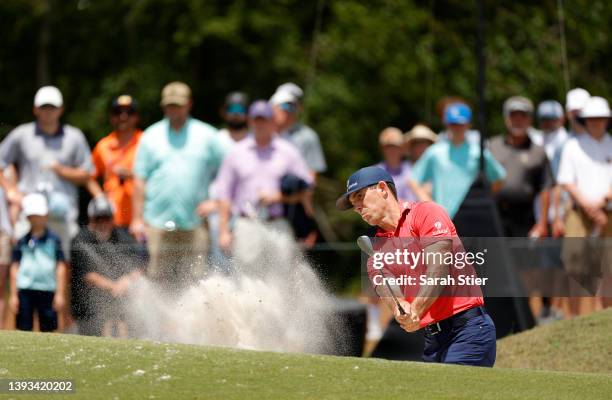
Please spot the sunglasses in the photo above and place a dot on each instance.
(289, 107)
(119, 111)
(236, 109)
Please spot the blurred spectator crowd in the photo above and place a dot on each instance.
(165, 200)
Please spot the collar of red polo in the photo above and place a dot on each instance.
(406, 206)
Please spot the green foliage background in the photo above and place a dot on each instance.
(368, 64)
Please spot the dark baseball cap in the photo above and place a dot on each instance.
(100, 207)
(361, 179)
(292, 184)
(124, 101)
(235, 98)
(236, 103)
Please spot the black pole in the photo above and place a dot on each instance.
(478, 217)
(480, 84)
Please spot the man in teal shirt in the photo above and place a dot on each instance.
(176, 161)
(452, 165)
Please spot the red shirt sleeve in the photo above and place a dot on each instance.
(431, 223)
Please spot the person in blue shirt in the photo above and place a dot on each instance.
(452, 165)
(38, 270)
(177, 159)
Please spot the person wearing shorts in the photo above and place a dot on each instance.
(38, 270)
(585, 172)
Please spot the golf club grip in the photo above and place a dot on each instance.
(399, 307)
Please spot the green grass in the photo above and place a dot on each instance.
(107, 368)
(582, 344)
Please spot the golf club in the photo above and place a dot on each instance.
(365, 244)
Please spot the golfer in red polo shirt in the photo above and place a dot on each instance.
(457, 328)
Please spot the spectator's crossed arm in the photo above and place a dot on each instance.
(80, 169)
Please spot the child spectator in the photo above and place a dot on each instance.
(38, 270)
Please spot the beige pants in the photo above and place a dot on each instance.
(177, 258)
(582, 254)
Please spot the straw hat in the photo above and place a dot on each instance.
(420, 132)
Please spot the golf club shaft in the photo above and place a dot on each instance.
(399, 307)
(365, 244)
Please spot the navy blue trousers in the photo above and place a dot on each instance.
(471, 344)
(42, 302)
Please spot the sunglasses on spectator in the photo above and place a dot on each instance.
(121, 110)
(289, 107)
(236, 109)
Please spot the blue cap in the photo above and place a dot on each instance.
(550, 109)
(457, 113)
(260, 109)
(361, 179)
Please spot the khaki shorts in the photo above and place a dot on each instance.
(176, 258)
(582, 254)
(6, 249)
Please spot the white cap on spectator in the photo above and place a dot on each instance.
(576, 99)
(48, 95)
(281, 97)
(292, 88)
(35, 204)
(596, 107)
(517, 103)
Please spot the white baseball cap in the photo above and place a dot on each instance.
(576, 99)
(35, 204)
(281, 97)
(517, 103)
(292, 88)
(48, 95)
(596, 107)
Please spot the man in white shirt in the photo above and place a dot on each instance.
(574, 102)
(586, 173)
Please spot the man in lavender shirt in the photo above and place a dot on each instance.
(390, 141)
(248, 183)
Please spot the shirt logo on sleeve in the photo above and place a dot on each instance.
(439, 230)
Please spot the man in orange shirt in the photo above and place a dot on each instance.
(113, 158)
